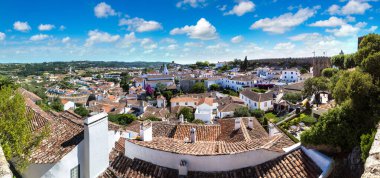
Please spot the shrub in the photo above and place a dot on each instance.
(198, 121)
(366, 141)
(153, 118)
(258, 90)
(122, 119)
(187, 114)
(242, 112)
(258, 113)
(81, 111)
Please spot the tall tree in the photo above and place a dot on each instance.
(16, 138)
(199, 87)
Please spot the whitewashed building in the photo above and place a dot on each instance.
(254, 100)
(290, 75)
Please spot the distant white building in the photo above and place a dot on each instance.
(67, 104)
(238, 82)
(253, 100)
(220, 64)
(205, 110)
(290, 75)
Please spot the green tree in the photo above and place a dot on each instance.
(16, 137)
(242, 112)
(153, 118)
(293, 97)
(124, 82)
(122, 119)
(329, 72)
(82, 111)
(354, 85)
(5, 81)
(371, 64)
(56, 104)
(258, 113)
(187, 114)
(369, 45)
(214, 87)
(338, 61)
(168, 95)
(160, 87)
(349, 61)
(199, 87)
(244, 65)
(304, 71)
(315, 85)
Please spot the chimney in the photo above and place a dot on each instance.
(193, 135)
(146, 132)
(181, 119)
(250, 123)
(237, 123)
(96, 151)
(272, 130)
(182, 169)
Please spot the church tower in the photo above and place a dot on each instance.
(166, 71)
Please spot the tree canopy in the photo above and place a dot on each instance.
(82, 111)
(199, 87)
(16, 137)
(187, 114)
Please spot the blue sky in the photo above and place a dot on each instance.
(181, 30)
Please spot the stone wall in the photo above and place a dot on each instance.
(5, 171)
(372, 164)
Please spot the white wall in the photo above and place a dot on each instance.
(192, 104)
(60, 169)
(200, 163)
(96, 148)
(69, 105)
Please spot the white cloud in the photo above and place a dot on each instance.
(305, 36)
(140, 25)
(39, 37)
(168, 40)
(45, 27)
(355, 7)
(346, 30)
(148, 43)
(242, 8)
(191, 3)
(128, 40)
(172, 47)
(103, 10)
(96, 36)
(66, 39)
(352, 7)
(21, 26)
(62, 27)
(331, 22)
(334, 9)
(217, 46)
(370, 30)
(193, 44)
(237, 39)
(2, 36)
(284, 46)
(221, 7)
(203, 30)
(284, 22)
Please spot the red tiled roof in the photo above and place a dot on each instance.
(294, 164)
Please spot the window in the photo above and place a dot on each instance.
(177, 104)
(186, 103)
(75, 172)
(255, 105)
(291, 72)
(291, 77)
(285, 72)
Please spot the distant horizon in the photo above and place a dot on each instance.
(202, 30)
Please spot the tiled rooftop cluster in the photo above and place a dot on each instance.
(122, 166)
(292, 165)
(212, 139)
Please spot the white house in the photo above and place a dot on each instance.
(290, 75)
(253, 100)
(73, 150)
(161, 101)
(220, 64)
(205, 110)
(184, 101)
(67, 104)
(238, 82)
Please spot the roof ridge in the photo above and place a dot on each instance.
(245, 132)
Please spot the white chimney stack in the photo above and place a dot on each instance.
(181, 119)
(193, 135)
(250, 123)
(182, 169)
(237, 123)
(146, 132)
(272, 130)
(96, 155)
